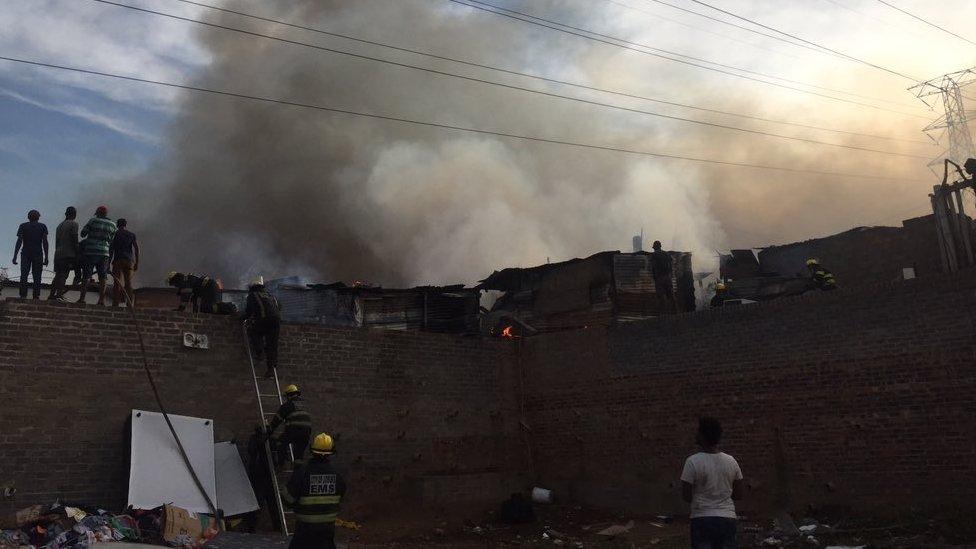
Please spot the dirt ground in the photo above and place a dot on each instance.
(569, 526)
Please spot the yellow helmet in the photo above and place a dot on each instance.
(812, 261)
(291, 389)
(719, 286)
(323, 444)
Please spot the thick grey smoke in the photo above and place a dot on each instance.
(254, 188)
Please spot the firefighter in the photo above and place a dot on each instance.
(720, 295)
(314, 492)
(202, 291)
(263, 320)
(298, 425)
(822, 278)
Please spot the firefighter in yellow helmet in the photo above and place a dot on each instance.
(298, 425)
(315, 491)
(721, 294)
(821, 277)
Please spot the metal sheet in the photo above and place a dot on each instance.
(234, 490)
(157, 473)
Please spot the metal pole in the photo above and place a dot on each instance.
(965, 227)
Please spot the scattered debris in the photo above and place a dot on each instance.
(616, 529)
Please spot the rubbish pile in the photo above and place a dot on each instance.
(62, 526)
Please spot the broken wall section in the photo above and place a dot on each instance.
(412, 412)
(857, 398)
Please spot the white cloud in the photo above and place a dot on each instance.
(114, 124)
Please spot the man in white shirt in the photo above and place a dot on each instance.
(710, 481)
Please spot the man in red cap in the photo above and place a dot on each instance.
(98, 234)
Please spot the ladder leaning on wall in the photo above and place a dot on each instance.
(265, 392)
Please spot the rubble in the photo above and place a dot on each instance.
(62, 526)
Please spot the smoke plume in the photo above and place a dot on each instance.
(254, 188)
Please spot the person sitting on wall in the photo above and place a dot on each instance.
(721, 294)
(202, 291)
(821, 277)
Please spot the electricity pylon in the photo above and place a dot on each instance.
(954, 124)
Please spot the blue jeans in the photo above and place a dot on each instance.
(31, 264)
(713, 533)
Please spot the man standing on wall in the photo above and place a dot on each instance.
(662, 269)
(66, 253)
(710, 481)
(33, 250)
(125, 262)
(98, 234)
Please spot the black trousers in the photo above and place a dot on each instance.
(313, 536)
(264, 339)
(31, 264)
(298, 438)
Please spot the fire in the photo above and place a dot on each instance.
(507, 332)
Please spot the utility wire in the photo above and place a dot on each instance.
(439, 125)
(544, 78)
(707, 31)
(795, 37)
(514, 87)
(773, 36)
(620, 43)
(929, 23)
(743, 27)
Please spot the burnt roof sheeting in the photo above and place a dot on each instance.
(530, 278)
(596, 290)
(449, 309)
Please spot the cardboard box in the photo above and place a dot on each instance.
(180, 522)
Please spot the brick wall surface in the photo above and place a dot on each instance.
(405, 407)
(857, 398)
(860, 398)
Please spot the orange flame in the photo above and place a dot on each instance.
(507, 332)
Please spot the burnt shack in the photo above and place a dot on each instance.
(861, 256)
(445, 309)
(602, 289)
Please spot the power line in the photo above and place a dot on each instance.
(773, 36)
(514, 87)
(699, 29)
(743, 27)
(544, 78)
(623, 44)
(795, 37)
(439, 125)
(929, 23)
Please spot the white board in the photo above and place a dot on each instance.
(157, 473)
(233, 487)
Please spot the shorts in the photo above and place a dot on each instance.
(97, 264)
(65, 265)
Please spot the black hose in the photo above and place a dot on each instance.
(159, 402)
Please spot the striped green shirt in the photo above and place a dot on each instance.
(99, 232)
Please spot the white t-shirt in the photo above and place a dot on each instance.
(712, 475)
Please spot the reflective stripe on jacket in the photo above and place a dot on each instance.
(315, 492)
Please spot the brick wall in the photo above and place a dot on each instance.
(862, 399)
(409, 409)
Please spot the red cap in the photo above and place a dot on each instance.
(103, 210)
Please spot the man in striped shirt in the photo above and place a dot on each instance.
(98, 234)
